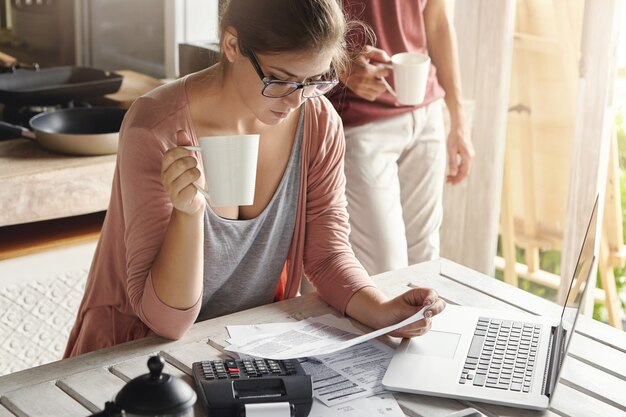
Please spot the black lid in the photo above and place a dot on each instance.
(156, 393)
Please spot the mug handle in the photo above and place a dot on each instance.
(388, 87)
(204, 192)
(193, 148)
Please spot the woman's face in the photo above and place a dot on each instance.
(286, 66)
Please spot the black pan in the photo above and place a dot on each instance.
(57, 85)
(78, 131)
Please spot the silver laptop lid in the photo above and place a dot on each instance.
(575, 296)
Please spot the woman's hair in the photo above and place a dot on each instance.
(275, 26)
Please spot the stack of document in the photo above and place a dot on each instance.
(346, 366)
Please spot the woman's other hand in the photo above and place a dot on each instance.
(370, 306)
(179, 171)
(409, 303)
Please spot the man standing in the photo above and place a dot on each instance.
(396, 154)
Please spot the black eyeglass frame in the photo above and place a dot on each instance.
(297, 85)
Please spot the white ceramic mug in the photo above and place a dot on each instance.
(410, 75)
(229, 168)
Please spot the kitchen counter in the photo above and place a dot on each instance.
(592, 384)
(36, 184)
(50, 200)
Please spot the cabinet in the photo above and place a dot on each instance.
(142, 35)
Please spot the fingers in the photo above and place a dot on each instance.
(366, 88)
(414, 300)
(177, 160)
(186, 180)
(380, 70)
(178, 179)
(418, 328)
(461, 155)
(373, 91)
(418, 297)
(365, 79)
(173, 154)
(179, 168)
(435, 308)
(453, 164)
(462, 171)
(179, 172)
(459, 167)
(376, 54)
(367, 84)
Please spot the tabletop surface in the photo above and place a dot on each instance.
(593, 380)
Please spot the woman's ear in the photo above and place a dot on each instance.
(230, 44)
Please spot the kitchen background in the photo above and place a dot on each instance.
(46, 240)
(141, 35)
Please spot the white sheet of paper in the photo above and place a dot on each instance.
(342, 323)
(338, 378)
(241, 333)
(313, 339)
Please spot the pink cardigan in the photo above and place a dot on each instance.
(120, 303)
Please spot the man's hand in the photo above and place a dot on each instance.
(460, 154)
(366, 73)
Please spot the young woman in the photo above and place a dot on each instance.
(167, 259)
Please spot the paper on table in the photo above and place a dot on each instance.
(297, 343)
(242, 333)
(380, 405)
(350, 374)
(339, 377)
(342, 323)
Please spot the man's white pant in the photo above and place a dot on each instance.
(395, 171)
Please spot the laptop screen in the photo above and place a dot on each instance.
(579, 281)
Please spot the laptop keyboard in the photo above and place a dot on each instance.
(502, 355)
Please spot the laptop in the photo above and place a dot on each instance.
(493, 356)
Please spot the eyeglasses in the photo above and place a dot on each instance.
(279, 88)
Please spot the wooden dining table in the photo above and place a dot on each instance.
(592, 382)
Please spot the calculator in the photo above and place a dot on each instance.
(227, 385)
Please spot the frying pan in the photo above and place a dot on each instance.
(77, 131)
(56, 85)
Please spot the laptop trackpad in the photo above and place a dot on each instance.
(435, 343)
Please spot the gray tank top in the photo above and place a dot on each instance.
(243, 259)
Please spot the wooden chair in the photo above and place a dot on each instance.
(542, 111)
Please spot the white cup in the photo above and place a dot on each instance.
(410, 75)
(229, 168)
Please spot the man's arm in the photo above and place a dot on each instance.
(443, 53)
